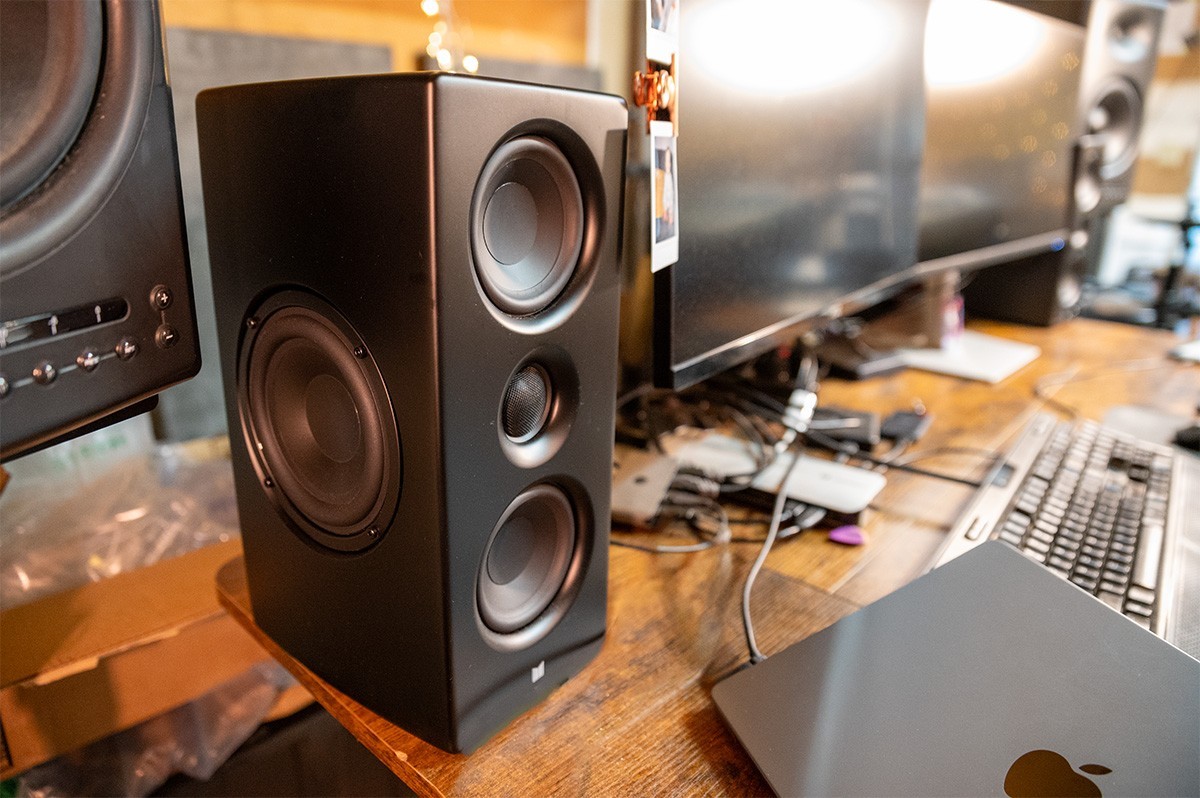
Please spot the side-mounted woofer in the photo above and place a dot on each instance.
(319, 422)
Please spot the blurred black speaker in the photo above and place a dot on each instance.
(1118, 64)
(1045, 288)
(416, 285)
(95, 292)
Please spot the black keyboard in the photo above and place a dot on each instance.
(1093, 509)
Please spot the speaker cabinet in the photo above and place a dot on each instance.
(1118, 65)
(1045, 288)
(96, 310)
(416, 283)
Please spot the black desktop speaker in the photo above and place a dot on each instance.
(1118, 64)
(416, 283)
(1045, 288)
(95, 291)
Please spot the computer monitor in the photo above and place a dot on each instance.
(800, 138)
(1002, 87)
(830, 154)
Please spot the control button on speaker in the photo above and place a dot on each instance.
(4, 386)
(527, 558)
(527, 225)
(126, 348)
(45, 373)
(161, 297)
(88, 360)
(166, 336)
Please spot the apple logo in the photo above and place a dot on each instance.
(1040, 774)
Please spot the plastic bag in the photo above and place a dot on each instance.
(194, 739)
(108, 503)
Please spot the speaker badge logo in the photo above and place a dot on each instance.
(538, 671)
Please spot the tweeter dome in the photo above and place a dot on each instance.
(416, 284)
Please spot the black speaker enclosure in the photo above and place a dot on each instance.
(359, 192)
(95, 286)
(1118, 65)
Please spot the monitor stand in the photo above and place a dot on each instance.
(918, 318)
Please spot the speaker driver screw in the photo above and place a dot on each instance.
(373, 532)
(252, 322)
(360, 352)
(268, 482)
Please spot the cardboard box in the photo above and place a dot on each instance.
(83, 664)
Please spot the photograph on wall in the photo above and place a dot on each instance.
(664, 196)
(662, 30)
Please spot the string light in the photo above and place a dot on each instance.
(444, 45)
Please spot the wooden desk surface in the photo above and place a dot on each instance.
(639, 719)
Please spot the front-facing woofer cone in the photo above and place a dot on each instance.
(319, 421)
(1116, 119)
(527, 222)
(527, 559)
(77, 80)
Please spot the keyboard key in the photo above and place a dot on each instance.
(1019, 519)
(1113, 587)
(1141, 595)
(1010, 533)
(1044, 535)
(1146, 560)
(1121, 569)
(1087, 584)
(1036, 556)
(1063, 552)
(1039, 546)
(1134, 608)
(1058, 561)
